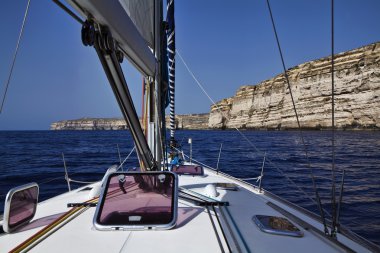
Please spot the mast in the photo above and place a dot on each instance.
(154, 104)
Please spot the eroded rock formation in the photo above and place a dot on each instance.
(90, 124)
(268, 105)
(191, 121)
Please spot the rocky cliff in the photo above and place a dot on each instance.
(191, 121)
(268, 105)
(187, 121)
(90, 124)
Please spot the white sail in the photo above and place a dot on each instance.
(141, 12)
(124, 28)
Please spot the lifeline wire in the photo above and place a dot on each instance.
(76, 181)
(86, 182)
(15, 56)
(244, 137)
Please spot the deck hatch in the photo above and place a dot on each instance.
(227, 186)
(135, 201)
(276, 225)
(188, 169)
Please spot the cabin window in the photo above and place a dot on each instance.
(20, 206)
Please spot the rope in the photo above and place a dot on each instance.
(14, 56)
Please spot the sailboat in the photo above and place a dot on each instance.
(158, 207)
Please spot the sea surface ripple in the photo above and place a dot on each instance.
(36, 156)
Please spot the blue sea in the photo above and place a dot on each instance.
(36, 156)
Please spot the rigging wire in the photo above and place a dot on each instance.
(298, 122)
(68, 11)
(118, 152)
(333, 190)
(15, 56)
(130, 153)
(243, 135)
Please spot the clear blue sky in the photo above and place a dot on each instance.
(226, 43)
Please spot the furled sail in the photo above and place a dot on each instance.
(141, 12)
(171, 65)
(129, 26)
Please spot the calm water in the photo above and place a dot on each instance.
(28, 156)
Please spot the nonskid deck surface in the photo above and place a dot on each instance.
(199, 228)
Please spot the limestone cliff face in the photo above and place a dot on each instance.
(268, 105)
(90, 124)
(188, 121)
(191, 121)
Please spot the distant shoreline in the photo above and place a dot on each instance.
(183, 122)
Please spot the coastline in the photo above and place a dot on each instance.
(113, 124)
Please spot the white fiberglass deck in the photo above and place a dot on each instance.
(194, 231)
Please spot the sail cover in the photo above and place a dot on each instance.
(127, 20)
(171, 66)
(141, 12)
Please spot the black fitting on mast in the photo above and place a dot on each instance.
(110, 57)
(88, 33)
